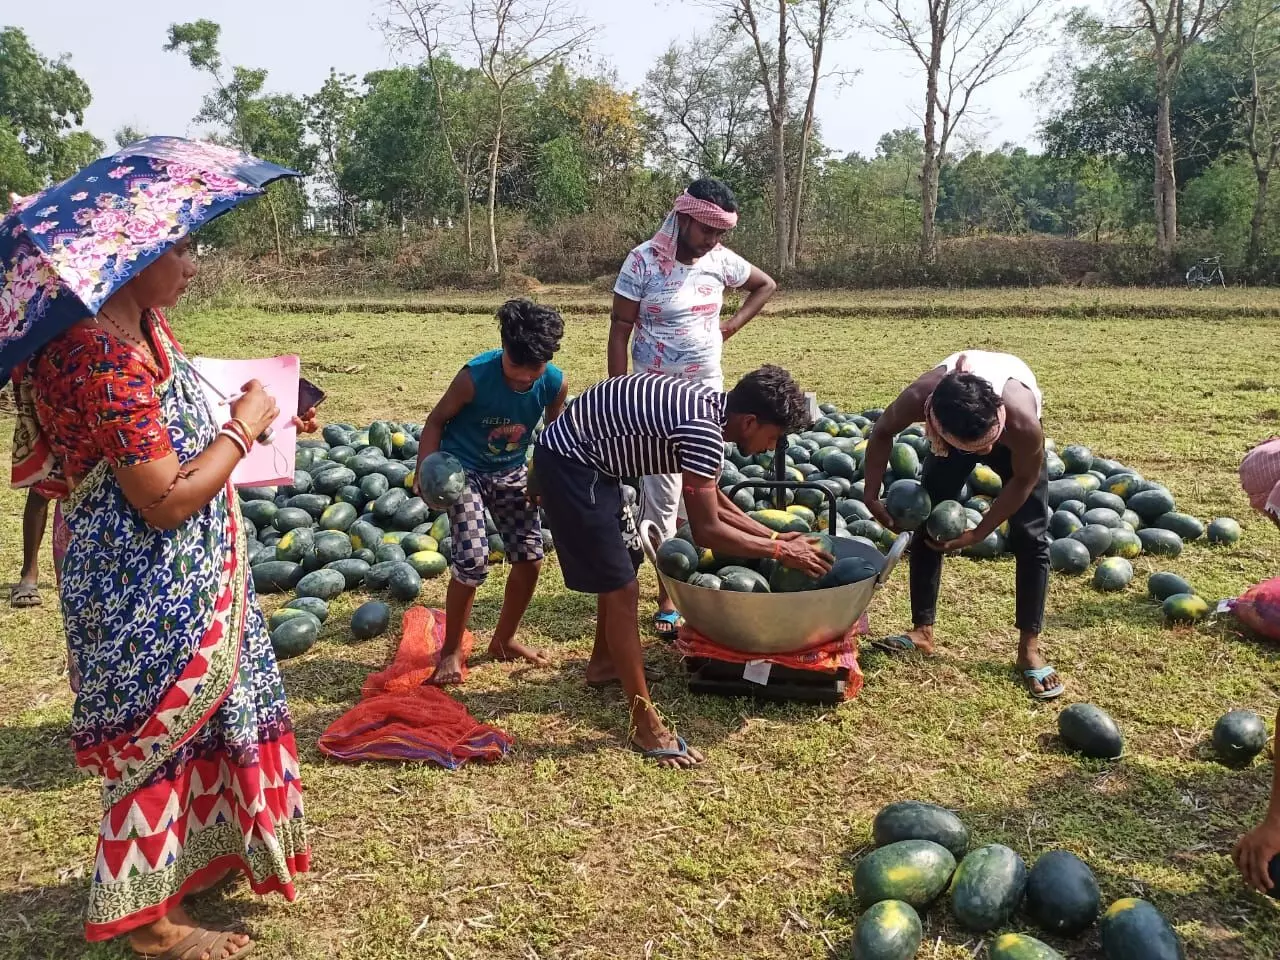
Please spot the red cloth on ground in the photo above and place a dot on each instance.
(824, 658)
(1259, 609)
(398, 718)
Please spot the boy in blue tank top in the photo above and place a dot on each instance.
(486, 419)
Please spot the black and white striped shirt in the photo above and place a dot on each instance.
(641, 425)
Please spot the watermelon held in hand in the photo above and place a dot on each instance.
(1062, 894)
(888, 930)
(988, 887)
(442, 480)
(946, 522)
(1239, 736)
(908, 503)
(1090, 730)
(913, 820)
(1133, 929)
(914, 871)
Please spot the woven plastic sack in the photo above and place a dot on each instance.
(1259, 609)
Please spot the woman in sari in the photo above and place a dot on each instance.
(180, 707)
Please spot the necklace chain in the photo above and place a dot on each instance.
(128, 337)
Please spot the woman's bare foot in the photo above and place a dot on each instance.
(165, 934)
(515, 650)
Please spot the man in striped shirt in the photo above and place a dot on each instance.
(646, 424)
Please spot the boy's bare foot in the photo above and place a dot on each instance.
(448, 671)
(515, 650)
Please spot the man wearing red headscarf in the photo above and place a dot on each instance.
(977, 407)
(666, 310)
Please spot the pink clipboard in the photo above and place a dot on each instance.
(268, 464)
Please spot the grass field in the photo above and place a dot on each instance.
(574, 847)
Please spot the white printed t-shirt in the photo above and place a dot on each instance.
(677, 330)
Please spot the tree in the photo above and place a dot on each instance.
(42, 103)
(513, 41)
(1170, 27)
(270, 126)
(1251, 42)
(768, 26)
(1099, 198)
(961, 46)
(330, 114)
(128, 134)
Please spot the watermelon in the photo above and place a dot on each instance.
(322, 584)
(331, 546)
(985, 481)
(337, 433)
(1062, 894)
(1161, 586)
(1187, 527)
(389, 552)
(404, 582)
(260, 513)
(1184, 608)
(419, 543)
(1133, 520)
(442, 480)
(914, 871)
(785, 580)
(295, 636)
(1095, 537)
(1102, 500)
(295, 545)
(1064, 523)
(370, 620)
(385, 507)
(1151, 504)
(869, 529)
(410, 514)
(351, 495)
(889, 930)
(1239, 736)
(313, 503)
(840, 464)
(379, 574)
(276, 576)
(946, 522)
(380, 436)
(1224, 531)
(331, 481)
(1113, 574)
(1125, 484)
(1102, 516)
(288, 613)
(1133, 929)
(1125, 543)
(339, 516)
(912, 820)
(845, 571)
(1019, 946)
(1074, 506)
(342, 453)
(1077, 458)
(991, 548)
(904, 461)
(1087, 482)
(988, 887)
(708, 581)
(291, 518)
(741, 580)
(908, 503)
(428, 563)
(364, 535)
(779, 521)
(353, 571)
(1060, 491)
(251, 494)
(1091, 731)
(312, 605)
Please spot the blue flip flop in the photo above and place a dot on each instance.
(899, 643)
(1039, 675)
(669, 619)
(681, 749)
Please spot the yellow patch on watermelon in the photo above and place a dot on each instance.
(1122, 906)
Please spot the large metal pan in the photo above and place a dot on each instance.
(768, 623)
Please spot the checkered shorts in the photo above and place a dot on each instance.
(516, 519)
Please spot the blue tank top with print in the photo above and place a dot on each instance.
(492, 433)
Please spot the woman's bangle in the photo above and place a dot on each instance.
(244, 430)
(774, 535)
(231, 434)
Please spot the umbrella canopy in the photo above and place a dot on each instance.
(66, 250)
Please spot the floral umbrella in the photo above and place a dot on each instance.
(66, 250)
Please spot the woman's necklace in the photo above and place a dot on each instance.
(139, 346)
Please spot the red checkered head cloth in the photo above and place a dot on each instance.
(1260, 477)
(704, 211)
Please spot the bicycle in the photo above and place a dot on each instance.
(1205, 273)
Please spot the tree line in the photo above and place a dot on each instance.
(1161, 131)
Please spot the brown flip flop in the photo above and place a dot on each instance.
(24, 596)
(199, 943)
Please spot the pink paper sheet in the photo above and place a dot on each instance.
(268, 464)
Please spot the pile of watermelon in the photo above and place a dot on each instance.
(349, 522)
(922, 853)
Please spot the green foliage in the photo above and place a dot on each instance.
(42, 102)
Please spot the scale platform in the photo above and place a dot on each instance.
(783, 685)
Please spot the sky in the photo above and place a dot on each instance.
(134, 81)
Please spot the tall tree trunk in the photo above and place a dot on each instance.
(781, 222)
(806, 134)
(495, 265)
(929, 175)
(275, 220)
(1259, 220)
(1166, 186)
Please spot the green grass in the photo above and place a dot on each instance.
(574, 847)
